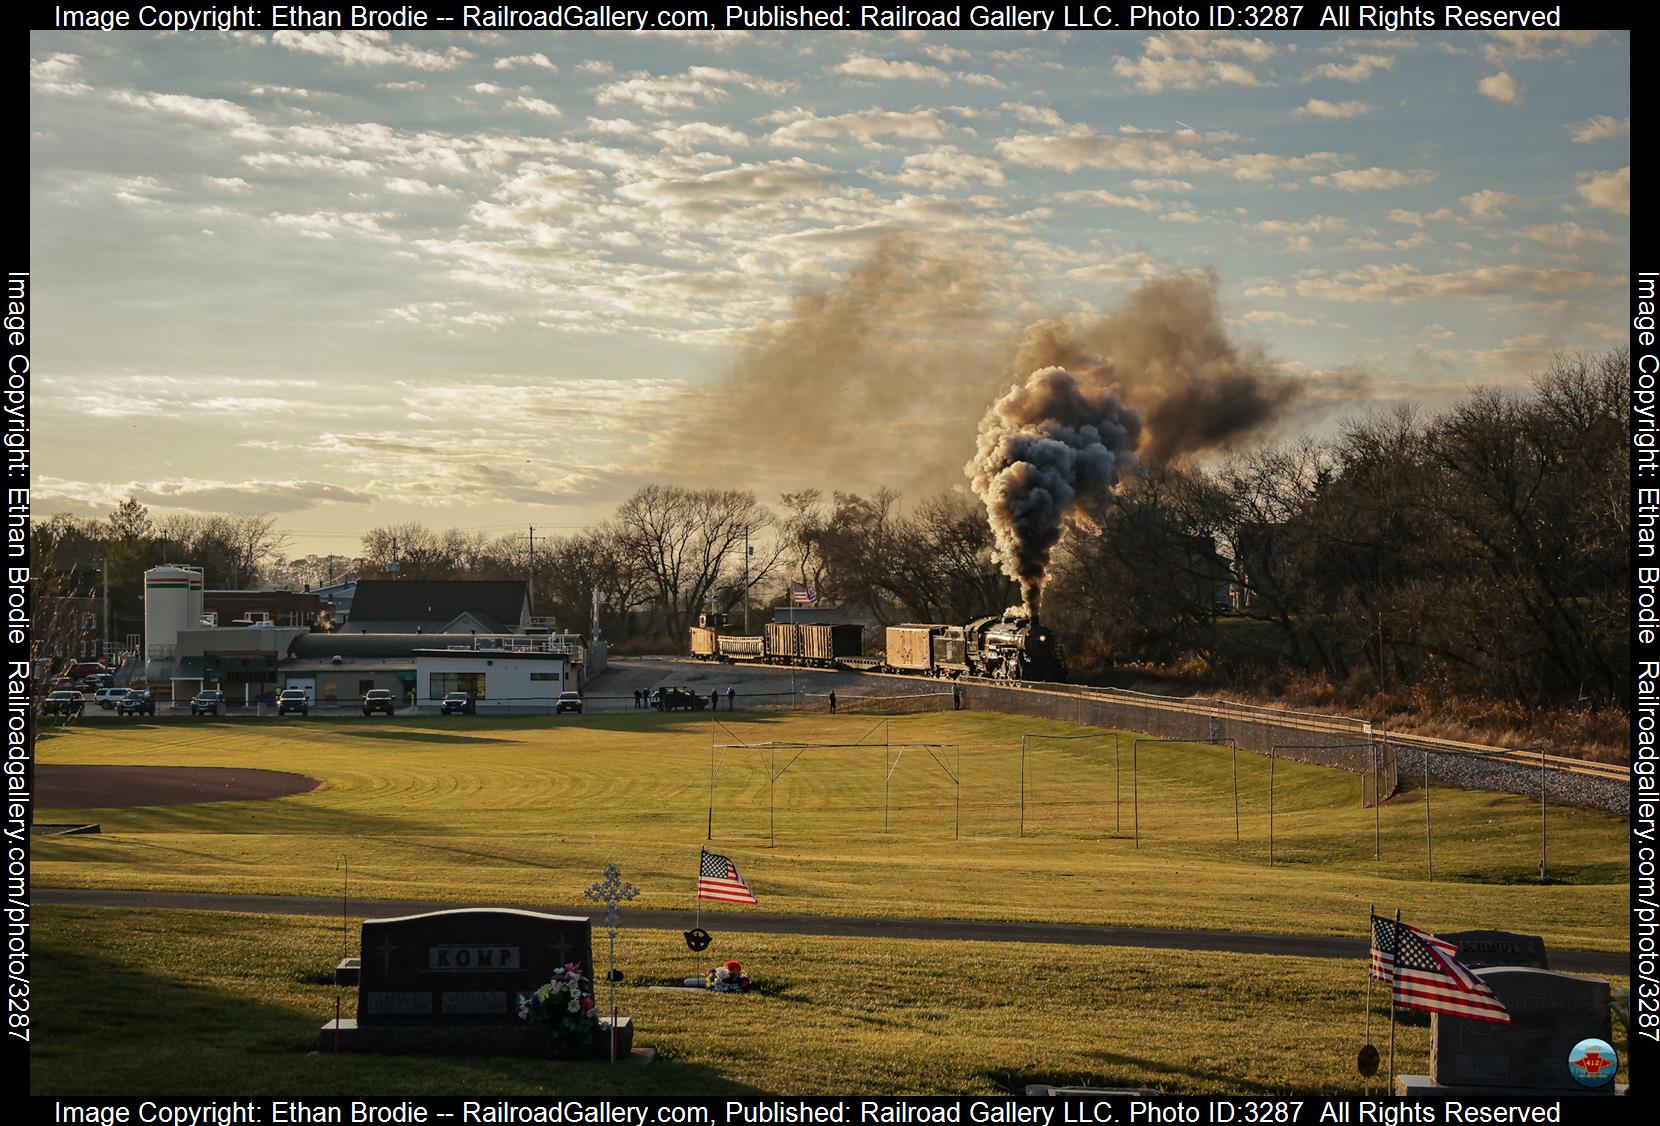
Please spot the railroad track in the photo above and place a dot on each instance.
(1312, 722)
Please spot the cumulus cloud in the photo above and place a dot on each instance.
(537, 60)
(1501, 88)
(1190, 60)
(1609, 191)
(947, 168)
(1373, 179)
(868, 66)
(535, 105)
(1400, 283)
(1501, 46)
(55, 74)
(1079, 146)
(1566, 234)
(800, 126)
(370, 48)
(1358, 69)
(1319, 107)
(1486, 204)
(661, 93)
(1603, 128)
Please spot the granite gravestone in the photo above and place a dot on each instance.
(449, 982)
(1549, 1014)
(1478, 949)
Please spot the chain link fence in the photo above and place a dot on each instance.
(1322, 740)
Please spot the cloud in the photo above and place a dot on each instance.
(1486, 204)
(1501, 88)
(665, 92)
(1189, 61)
(867, 66)
(1610, 191)
(1079, 146)
(1401, 283)
(1566, 234)
(799, 126)
(209, 111)
(537, 59)
(1358, 69)
(1502, 46)
(715, 194)
(1373, 179)
(535, 105)
(370, 48)
(1110, 199)
(1604, 128)
(947, 168)
(1317, 107)
(55, 74)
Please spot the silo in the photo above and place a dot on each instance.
(172, 602)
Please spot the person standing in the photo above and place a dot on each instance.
(832, 701)
(714, 699)
(731, 698)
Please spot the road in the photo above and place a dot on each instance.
(845, 926)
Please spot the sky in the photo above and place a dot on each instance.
(491, 280)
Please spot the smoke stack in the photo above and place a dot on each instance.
(1047, 448)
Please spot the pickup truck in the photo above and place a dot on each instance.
(293, 700)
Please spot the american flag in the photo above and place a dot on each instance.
(1427, 974)
(802, 595)
(717, 878)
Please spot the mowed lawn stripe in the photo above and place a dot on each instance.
(505, 810)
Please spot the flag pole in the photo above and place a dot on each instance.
(1394, 974)
(1371, 940)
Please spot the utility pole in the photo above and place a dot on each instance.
(533, 568)
(746, 582)
(104, 565)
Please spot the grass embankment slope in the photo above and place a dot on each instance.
(175, 1002)
(529, 810)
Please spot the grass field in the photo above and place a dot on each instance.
(233, 1007)
(529, 810)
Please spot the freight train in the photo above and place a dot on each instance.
(1004, 647)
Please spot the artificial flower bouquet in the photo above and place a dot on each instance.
(729, 977)
(565, 1006)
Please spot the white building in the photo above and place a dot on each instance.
(504, 672)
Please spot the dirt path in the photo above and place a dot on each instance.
(73, 786)
(954, 930)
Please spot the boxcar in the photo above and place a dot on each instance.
(824, 644)
(910, 647)
(783, 642)
(703, 643)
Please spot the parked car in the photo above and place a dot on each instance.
(458, 703)
(64, 702)
(293, 700)
(676, 697)
(206, 702)
(378, 700)
(136, 701)
(568, 702)
(107, 698)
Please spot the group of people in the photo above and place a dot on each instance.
(644, 698)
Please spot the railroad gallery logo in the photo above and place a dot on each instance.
(1593, 1063)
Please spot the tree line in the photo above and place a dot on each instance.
(1478, 550)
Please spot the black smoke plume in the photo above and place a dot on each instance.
(1047, 448)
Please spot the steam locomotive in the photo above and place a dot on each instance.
(1004, 647)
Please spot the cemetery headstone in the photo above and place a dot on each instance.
(1478, 949)
(449, 982)
(1549, 1014)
